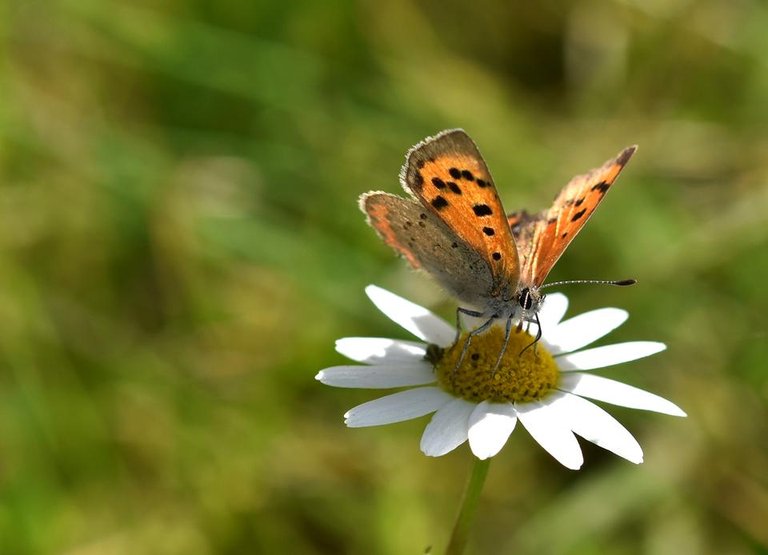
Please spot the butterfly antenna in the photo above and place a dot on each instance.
(618, 282)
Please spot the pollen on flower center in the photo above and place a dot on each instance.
(526, 373)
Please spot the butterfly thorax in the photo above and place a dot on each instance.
(502, 303)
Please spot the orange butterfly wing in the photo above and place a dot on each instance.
(449, 177)
(542, 238)
(427, 243)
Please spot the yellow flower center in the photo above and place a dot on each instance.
(526, 372)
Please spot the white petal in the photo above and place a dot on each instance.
(553, 310)
(378, 349)
(595, 425)
(416, 319)
(609, 355)
(448, 428)
(583, 329)
(397, 407)
(551, 431)
(490, 425)
(378, 376)
(617, 393)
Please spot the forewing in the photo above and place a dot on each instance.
(427, 243)
(545, 236)
(449, 177)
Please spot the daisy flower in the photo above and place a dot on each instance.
(545, 386)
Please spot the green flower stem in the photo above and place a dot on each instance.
(466, 516)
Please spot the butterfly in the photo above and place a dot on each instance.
(453, 226)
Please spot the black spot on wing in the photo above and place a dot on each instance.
(438, 183)
(454, 187)
(455, 173)
(439, 202)
(466, 174)
(602, 187)
(578, 214)
(482, 183)
(579, 202)
(496, 256)
(482, 210)
(489, 231)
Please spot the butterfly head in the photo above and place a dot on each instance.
(529, 300)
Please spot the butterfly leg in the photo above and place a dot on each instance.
(507, 333)
(468, 312)
(470, 335)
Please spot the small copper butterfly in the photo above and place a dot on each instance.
(454, 227)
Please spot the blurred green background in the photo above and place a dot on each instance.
(181, 245)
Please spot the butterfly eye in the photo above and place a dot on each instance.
(526, 299)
